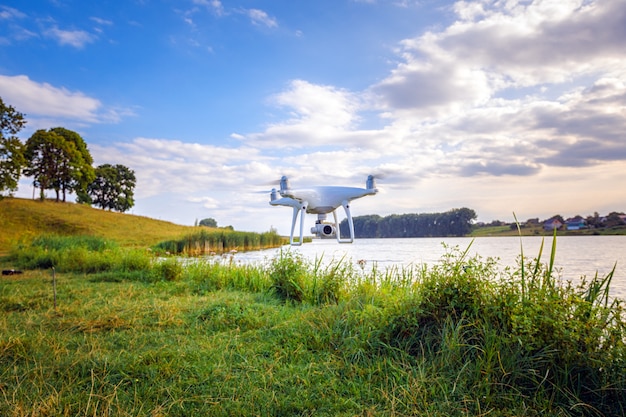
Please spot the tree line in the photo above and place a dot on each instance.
(58, 159)
(455, 222)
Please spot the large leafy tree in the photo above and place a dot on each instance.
(58, 159)
(44, 151)
(11, 148)
(112, 188)
(77, 172)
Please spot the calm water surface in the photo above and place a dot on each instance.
(576, 256)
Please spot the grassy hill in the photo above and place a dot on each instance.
(24, 219)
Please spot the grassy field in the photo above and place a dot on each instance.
(537, 230)
(294, 338)
(25, 219)
(22, 220)
(113, 330)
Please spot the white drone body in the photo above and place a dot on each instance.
(320, 200)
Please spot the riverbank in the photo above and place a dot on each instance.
(538, 230)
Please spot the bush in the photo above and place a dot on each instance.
(527, 335)
(169, 269)
(288, 273)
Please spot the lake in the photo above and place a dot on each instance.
(576, 256)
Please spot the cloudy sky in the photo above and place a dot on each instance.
(502, 106)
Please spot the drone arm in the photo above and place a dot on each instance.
(346, 207)
(296, 210)
(301, 208)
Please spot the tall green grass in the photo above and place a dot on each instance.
(92, 255)
(305, 337)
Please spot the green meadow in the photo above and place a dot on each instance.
(98, 327)
(168, 337)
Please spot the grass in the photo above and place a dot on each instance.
(293, 337)
(23, 219)
(538, 230)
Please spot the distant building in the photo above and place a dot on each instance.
(552, 224)
(576, 223)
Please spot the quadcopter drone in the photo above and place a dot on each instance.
(320, 200)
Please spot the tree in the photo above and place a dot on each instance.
(614, 219)
(11, 148)
(594, 221)
(46, 153)
(209, 222)
(112, 188)
(58, 159)
(78, 171)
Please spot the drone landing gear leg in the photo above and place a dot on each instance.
(302, 210)
(346, 207)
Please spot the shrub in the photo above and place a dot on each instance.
(287, 273)
(526, 335)
(169, 269)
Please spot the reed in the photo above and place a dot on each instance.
(217, 241)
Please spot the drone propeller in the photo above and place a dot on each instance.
(393, 178)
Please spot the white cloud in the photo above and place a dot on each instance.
(42, 101)
(505, 45)
(214, 5)
(447, 107)
(186, 168)
(261, 18)
(102, 22)
(206, 202)
(9, 13)
(75, 38)
(317, 115)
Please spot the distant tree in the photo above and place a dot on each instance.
(594, 221)
(209, 222)
(12, 159)
(47, 153)
(456, 222)
(614, 219)
(58, 159)
(78, 171)
(112, 188)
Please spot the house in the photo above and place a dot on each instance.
(575, 223)
(552, 224)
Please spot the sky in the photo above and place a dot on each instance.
(507, 107)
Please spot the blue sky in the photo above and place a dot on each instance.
(500, 106)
